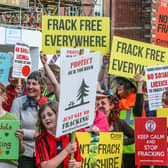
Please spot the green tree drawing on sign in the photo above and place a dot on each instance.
(83, 91)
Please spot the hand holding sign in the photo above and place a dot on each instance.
(71, 147)
(19, 134)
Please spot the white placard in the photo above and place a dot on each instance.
(157, 84)
(22, 61)
(77, 92)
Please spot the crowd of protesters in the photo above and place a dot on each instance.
(35, 104)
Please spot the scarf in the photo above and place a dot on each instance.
(128, 102)
(30, 102)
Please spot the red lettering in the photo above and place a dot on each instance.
(81, 63)
(158, 83)
(150, 76)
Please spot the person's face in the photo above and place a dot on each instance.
(49, 119)
(98, 102)
(120, 90)
(33, 89)
(3, 97)
(105, 106)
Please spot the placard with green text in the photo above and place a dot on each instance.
(75, 32)
(129, 57)
(9, 143)
(109, 149)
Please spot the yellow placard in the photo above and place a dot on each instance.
(80, 32)
(163, 112)
(129, 57)
(109, 149)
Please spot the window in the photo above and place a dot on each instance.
(73, 11)
(98, 9)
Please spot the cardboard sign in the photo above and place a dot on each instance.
(77, 101)
(22, 61)
(109, 149)
(9, 143)
(150, 141)
(161, 35)
(130, 57)
(157, 86)
(5, 63)
(80, 32)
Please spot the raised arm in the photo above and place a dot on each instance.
(50, 75)
(138, 108)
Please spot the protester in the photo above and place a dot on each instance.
(54, 152)
(100, 123)
(9, 163)
(53, 73)
(165, 99)
(13, 90)
(110, 106)
(26, 108)
(131, 105)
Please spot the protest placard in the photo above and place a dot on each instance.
(129, 57)
(163, 112)
(81, 32)
(157, 86)
(9, 143)
(77, 101)
(161, 34)
(109, 149)
(151, 141)
(22, 61)
(5, 63)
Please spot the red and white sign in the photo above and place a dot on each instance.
(151, 141)
(22, 61)
(157, 85)
(161, 36)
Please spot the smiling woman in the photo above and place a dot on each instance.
(25, 108)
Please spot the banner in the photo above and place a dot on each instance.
(9, 143)
(109, 149)
(77, 103)
(161, 35)
(157, 86)
(151, 141)
(22, 61)
(5, 62)
(130, 57)
(79, 32)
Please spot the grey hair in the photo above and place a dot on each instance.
(38, 76)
